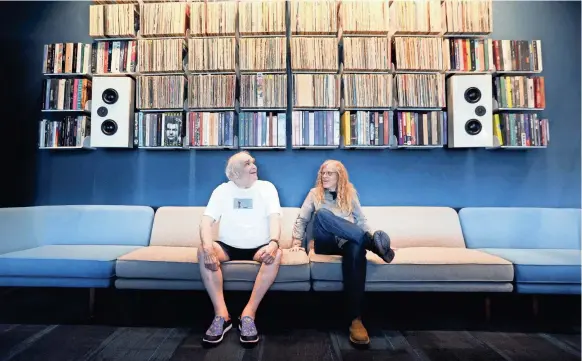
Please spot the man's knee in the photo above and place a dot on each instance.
(278, 257)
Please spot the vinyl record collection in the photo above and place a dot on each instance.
(229, 74)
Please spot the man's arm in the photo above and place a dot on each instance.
(274, 211)
(206, 231)
(212, 213)
(275, 226)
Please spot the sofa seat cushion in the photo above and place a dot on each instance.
(73, 261)
(181, 263)
(160, 262)
(421, 264)
(542, 265)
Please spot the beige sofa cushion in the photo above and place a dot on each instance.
(179, 226)
(417, 226)
(421, 264)
(181, 263)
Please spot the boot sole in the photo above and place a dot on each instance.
(382, 243)
(359, 342)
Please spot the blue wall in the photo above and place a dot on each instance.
(457, 178)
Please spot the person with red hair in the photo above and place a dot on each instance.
(332, 222)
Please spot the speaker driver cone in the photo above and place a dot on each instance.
(473, 127)
(472, 95)
(109, 127)
(110, 96)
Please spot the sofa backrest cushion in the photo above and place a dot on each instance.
(417, 226)
(76, 225)
(180, 226)
(513, 227)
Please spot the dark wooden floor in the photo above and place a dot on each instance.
(53, 325)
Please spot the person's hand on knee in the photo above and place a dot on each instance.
(210, 259)
(270, 252)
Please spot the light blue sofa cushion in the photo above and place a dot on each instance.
(540, 228)
(27, 227)
(552, 289)
(55, 282)
(542, 265)
(73, 261)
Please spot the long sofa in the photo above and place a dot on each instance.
(524, 250)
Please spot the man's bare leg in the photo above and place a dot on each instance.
(265, 278)
(213, 280)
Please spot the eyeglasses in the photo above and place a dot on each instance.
(327, 173)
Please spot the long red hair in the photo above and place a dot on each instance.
(346, 192)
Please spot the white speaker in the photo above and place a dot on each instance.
(470, 111)
(112, 112)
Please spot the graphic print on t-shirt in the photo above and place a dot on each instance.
(243, 203)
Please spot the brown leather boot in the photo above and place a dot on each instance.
(358, 333)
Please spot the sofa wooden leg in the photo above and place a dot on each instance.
(91, 302)
(488, 308)
(535, 306)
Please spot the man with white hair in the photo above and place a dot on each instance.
(249, 213)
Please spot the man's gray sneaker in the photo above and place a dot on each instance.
(248, 330)
(217, 329)
(382, 246)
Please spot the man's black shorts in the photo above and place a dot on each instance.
(239, 254)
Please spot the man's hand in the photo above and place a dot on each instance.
(270, 252)
(210, 258)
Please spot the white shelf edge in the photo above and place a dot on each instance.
(65, 111)
(362, 147)
(419, 147)
(517, 147)
(519, 109)
(212, 147)
(315, 147)
(166, 110)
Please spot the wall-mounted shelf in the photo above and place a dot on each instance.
(419, 147)
(460, 72)
(67, 148)
(518, 109)
(315, 147)
(75, 111)
(517, 147)
(212, 147)
(68, 75)
(374, 147)
(163, 148)
(167, 110)
(419, 109)
(263, 148)
(517, 72)
(133, 75)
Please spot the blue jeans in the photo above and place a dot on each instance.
(327, 228)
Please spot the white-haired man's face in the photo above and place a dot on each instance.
(247, 170)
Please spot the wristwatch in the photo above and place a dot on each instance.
(276, 241)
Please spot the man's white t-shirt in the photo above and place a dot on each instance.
(244, 213)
